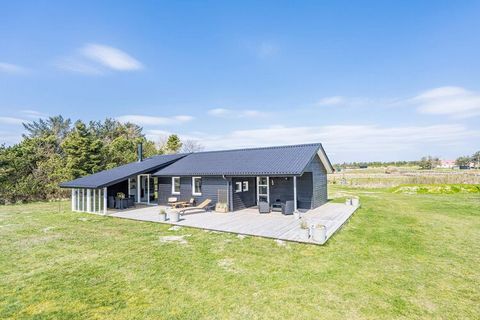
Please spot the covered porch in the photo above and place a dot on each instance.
(286, 194)
(138, 189)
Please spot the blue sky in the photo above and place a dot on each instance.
(371, 80)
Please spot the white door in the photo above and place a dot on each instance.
(263, 189)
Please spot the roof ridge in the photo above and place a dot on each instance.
(261, 148)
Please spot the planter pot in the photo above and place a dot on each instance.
(355, 202)
(304, 234)
(348, 202)
(174, 216)
(296, 214)
(319, 234)
(162, 217)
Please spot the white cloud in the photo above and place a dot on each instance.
(9, 138)
(110, 57)
(96, 59)
(332, 101)
(452, 101)
(152, 120)
(266, 49)
(11, 120)
(232, 113)
(351, 101)
(77, 65)
(350, 142)
(33, 114)
(12, 68)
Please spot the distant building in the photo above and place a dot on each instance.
(447, 164)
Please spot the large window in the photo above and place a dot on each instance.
(175, 185)
(197, 186)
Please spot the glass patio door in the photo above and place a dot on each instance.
(263, 192)
(144, 188)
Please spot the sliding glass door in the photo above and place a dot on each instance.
(147, 189)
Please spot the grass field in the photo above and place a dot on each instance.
(400, 256)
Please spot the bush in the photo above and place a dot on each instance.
(437, 189)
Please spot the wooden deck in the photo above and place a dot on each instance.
(250, 222)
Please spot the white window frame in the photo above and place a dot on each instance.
(238, 187)
(245, 185)
(173, 186)
(263, 185)
(193, 186)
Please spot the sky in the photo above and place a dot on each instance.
(370, 80)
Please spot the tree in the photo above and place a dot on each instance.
(83, 151)
(56, 126)
(173, 144)
(191, 146)
(463, 161)
(429, 162)
(476, 159)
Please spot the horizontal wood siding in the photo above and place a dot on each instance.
(305, 191)
(244, 199)
(210, 187)
(281, 189)
(319, 175)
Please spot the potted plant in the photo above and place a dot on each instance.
(355, 202)
(120, 195)
(221, 207)
(319, 233)
(174, 215)
(296, 214)
(163, 215)
(304, 230)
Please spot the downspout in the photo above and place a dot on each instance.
(230, 204)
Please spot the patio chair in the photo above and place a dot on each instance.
(288, 207)
(263, 207)
(204, 206)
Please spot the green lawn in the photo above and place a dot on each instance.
(399, 256)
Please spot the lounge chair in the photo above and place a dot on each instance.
(204, 206)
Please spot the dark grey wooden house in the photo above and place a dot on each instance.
(240, 178)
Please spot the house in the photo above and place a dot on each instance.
(240, 178)
(447, 164)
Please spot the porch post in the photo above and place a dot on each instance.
(138, 189)
(148, 189)
(74, 199)
(105, 200)
(89, 200)
(100, 200)
(94, 209)
(295, 193)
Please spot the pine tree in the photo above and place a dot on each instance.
(83, 151)
(173, 144)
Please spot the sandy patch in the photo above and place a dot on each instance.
(177, 239)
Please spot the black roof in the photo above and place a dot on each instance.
(280, 160)
(109, 177)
